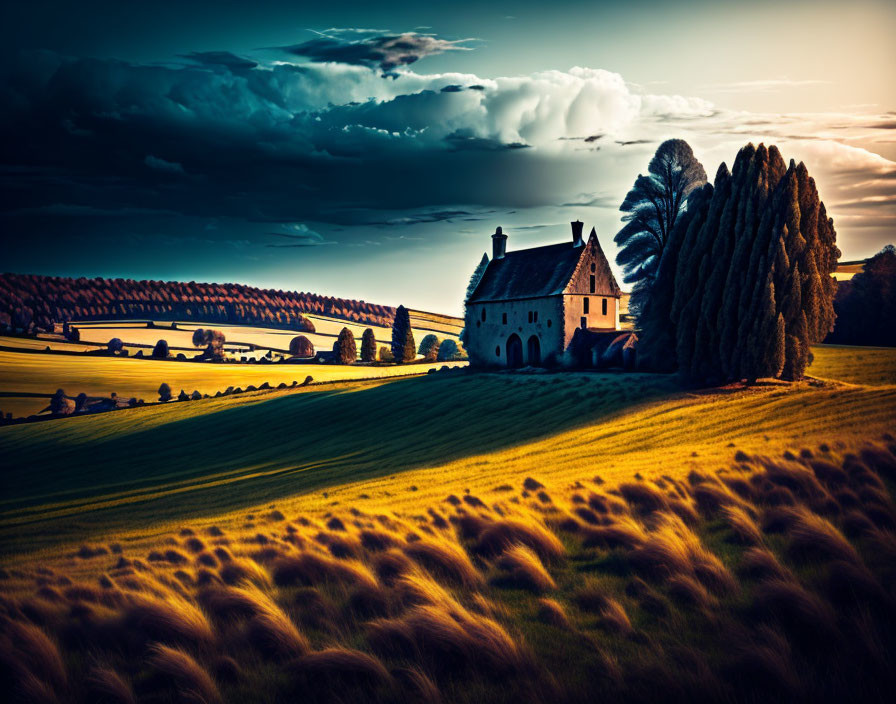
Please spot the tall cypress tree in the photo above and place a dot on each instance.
(753, 287)
(368, 346)
(693, 270)
(403, 349)
(656, 344)
(345, 348)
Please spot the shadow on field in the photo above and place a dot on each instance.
(63, 480)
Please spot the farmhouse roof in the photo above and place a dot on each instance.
(541, 271)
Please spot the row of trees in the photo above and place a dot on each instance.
(742, 285)
(401, 351)
(33, 302)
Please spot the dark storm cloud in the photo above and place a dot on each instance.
(385, 51)
(224, 59)
(267, 144)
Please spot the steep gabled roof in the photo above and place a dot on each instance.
(538, 272)
(528, 273)
(605, 282)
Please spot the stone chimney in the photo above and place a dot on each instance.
(577, 233)
(499, 244)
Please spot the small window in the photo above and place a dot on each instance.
(483, 311)
(504, 318)
(535, 317)
(604, 306)
(498, 349)
(584, 322)
(549, 322)
(530, 316)
(592, 267)
(592, 289)
(587, 306)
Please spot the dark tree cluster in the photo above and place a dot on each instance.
(866, 304)
(744, 285)
(30, 302)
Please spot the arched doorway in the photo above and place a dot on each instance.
(534, 350)
(514, 351)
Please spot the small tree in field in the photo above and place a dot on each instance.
(301, 346)
(386, 354)
(403, 349)
(368, 346)
(449, 351)
(429, 348)
(345, 348)
(212, 339)
(164, 393)
(115, 345)
(60, 405)
(160, 351)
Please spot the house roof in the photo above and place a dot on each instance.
(540, 271)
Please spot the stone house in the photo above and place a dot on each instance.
(528, 303)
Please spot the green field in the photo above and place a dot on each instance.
(147, 466)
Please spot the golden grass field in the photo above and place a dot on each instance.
(40, 375)
(461, 537)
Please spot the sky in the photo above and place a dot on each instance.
(369, 151)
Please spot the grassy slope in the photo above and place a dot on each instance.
(407, 443)
(855, 365)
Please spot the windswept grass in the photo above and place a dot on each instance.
(747, 573)
(516, 602)
(193, 682)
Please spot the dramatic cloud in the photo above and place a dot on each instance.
(386, 51)
(336, 144)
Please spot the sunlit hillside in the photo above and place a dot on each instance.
(27, 378)
(319, 448)
(538, 535)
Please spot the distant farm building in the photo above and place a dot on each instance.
(528, 304)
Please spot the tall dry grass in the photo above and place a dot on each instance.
(771, 580)
(191, 680)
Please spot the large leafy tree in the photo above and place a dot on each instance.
(651, 210)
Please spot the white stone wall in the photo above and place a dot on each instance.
(486, 340)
